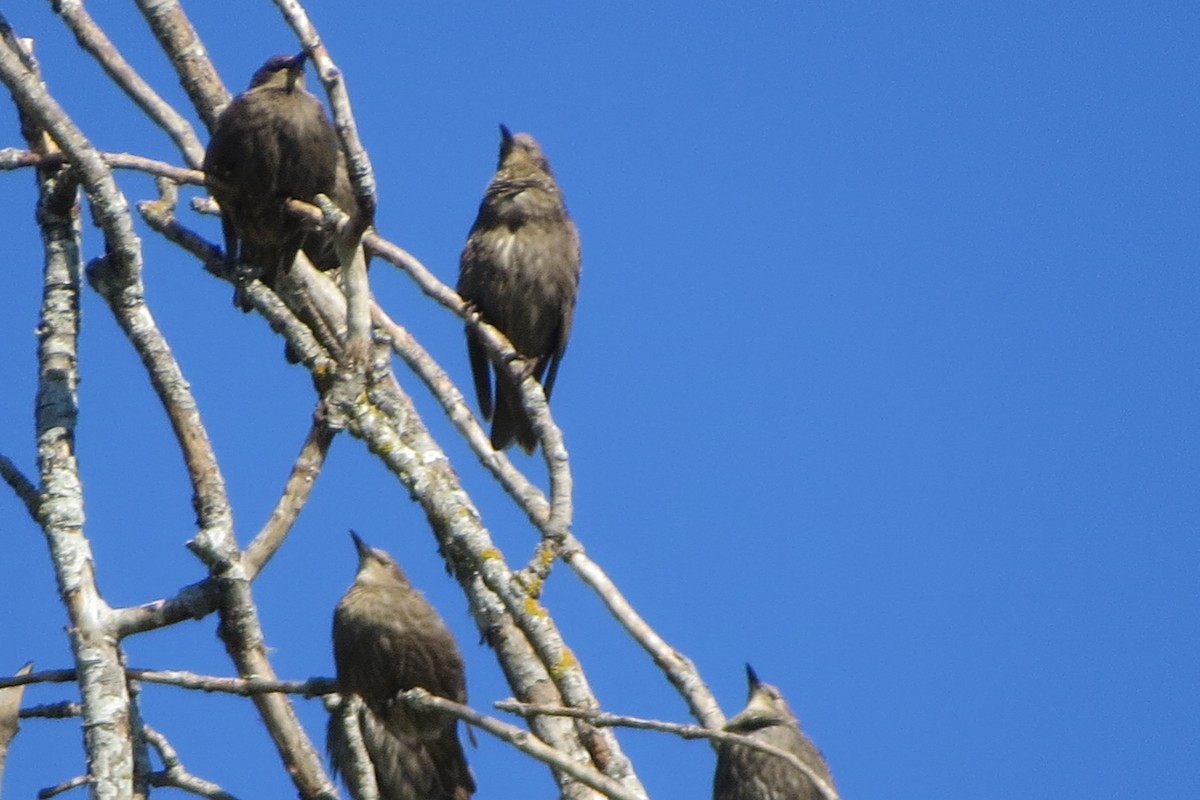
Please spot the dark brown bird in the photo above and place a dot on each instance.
(520, 269)
(388, 639)
(747, 774)
(271, 143)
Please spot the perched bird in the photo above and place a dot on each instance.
(271, 143)
(388, 639)
(520, 269)
(747, 774)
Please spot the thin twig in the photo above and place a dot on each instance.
(678, 668)
(62, 710)
(245, 687)
(16, 158)
(553, 518)
(339, 102)
(160, 216)
(606, 719)
(65, 786)
(524, 741)
(20, 484)
(94, 41)
(45, 676)
(174, 775)
(296, 492)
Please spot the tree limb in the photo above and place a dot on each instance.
(94, 41)
(524, 741)
(24, 488)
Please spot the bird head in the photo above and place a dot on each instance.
(376, 567)
(520, 154)
(765, 706)
(281, 72)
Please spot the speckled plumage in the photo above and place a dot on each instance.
(387, 639)
(746, 774)
(520, 269)
(272, 142)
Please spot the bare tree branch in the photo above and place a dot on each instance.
(678, 668)
(240, 628)
(24, 488)
(60, 512)
(94, 41)
(179, 41)
(606, 719)
(174, 775)
(14, 158)
(552, 519)
(411, 454)
(160, 216)
(524, 741)
(63, 710)
(324, 326)
(339, 101)
(295, 494)
(246, 687)
(45, 676)
(65, 786)
(117, 278)
(359, 773)
(553, 522)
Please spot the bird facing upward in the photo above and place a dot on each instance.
(520, 269)
(746, 774)
(388, 639)
(272, 142)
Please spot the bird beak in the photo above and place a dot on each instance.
(506, 142)
(295, 68)
(364, 549)
(752, 678)
(296, 62)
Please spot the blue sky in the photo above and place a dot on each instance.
(883, 378)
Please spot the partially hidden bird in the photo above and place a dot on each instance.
(746, 774)
(520, 269)
(388, 639)
(271, 143)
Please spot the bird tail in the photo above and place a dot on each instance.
(509, 420)
(404, 765)
(447, 754)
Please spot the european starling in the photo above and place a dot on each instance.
(271, 143)
(388, 639)
(520, 269)
(747, 774)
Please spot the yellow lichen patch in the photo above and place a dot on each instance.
(534, 588)
(565, 662)
(534, 608)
